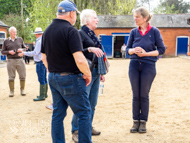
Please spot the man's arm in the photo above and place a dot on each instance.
(82, 64)
(5, 51)
(44, 59)
(36, 51)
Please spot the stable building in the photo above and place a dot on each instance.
(3, 36)
(3, 32)
(113, 31)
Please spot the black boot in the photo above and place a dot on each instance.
(142, 127)
(42, 93)
(135, 126)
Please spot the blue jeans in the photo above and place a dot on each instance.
(41, 72)
(92, 91)
(141, 75)
(69, 90)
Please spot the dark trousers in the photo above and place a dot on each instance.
(141, 75)
(27, 59)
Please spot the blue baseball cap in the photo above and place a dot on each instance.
(66, 6)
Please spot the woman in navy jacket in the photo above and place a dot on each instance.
(144, 45)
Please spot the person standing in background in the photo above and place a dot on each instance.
(40, 68)
(12, 46)
(123, 51)
(26, 58)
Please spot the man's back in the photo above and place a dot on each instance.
(62, 40)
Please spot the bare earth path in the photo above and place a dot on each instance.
(25, 121)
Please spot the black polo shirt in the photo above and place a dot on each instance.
(59, 41)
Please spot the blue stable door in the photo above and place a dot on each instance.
(106, 41)
(126, 40)
(182, 45)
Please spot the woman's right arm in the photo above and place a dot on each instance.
(97, 51)
(129, 48)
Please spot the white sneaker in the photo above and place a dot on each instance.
(50, 107)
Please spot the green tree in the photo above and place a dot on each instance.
(15, 20)
(10, 13)
(14, 6)
(44, 11)
(106, 7)
(121, 7)
(172, 6)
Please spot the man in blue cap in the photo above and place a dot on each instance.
(69, 73)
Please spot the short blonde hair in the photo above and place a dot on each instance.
(144, 12)
(11, 28)
(86, 15)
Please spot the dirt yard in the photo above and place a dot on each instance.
(24, 121)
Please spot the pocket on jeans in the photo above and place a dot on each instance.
(66, 85)
(67, 90)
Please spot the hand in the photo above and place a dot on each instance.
(21, 54)
(97, 51)
(19, 50)
(11, 52)
(138, 50)
(102, 78)
(142, 53)
(87, 79)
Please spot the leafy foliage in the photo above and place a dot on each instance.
(173, 6)
(15, 20)
(42, 13)
(14, 6)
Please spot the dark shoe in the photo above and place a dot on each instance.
(142, 127)
(42, 93)
(75, 136)
(135, 126)
(95, 132)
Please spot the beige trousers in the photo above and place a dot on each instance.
(18, 65)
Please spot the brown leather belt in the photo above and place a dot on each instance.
(65, 73)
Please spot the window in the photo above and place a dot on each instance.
(2, 35)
